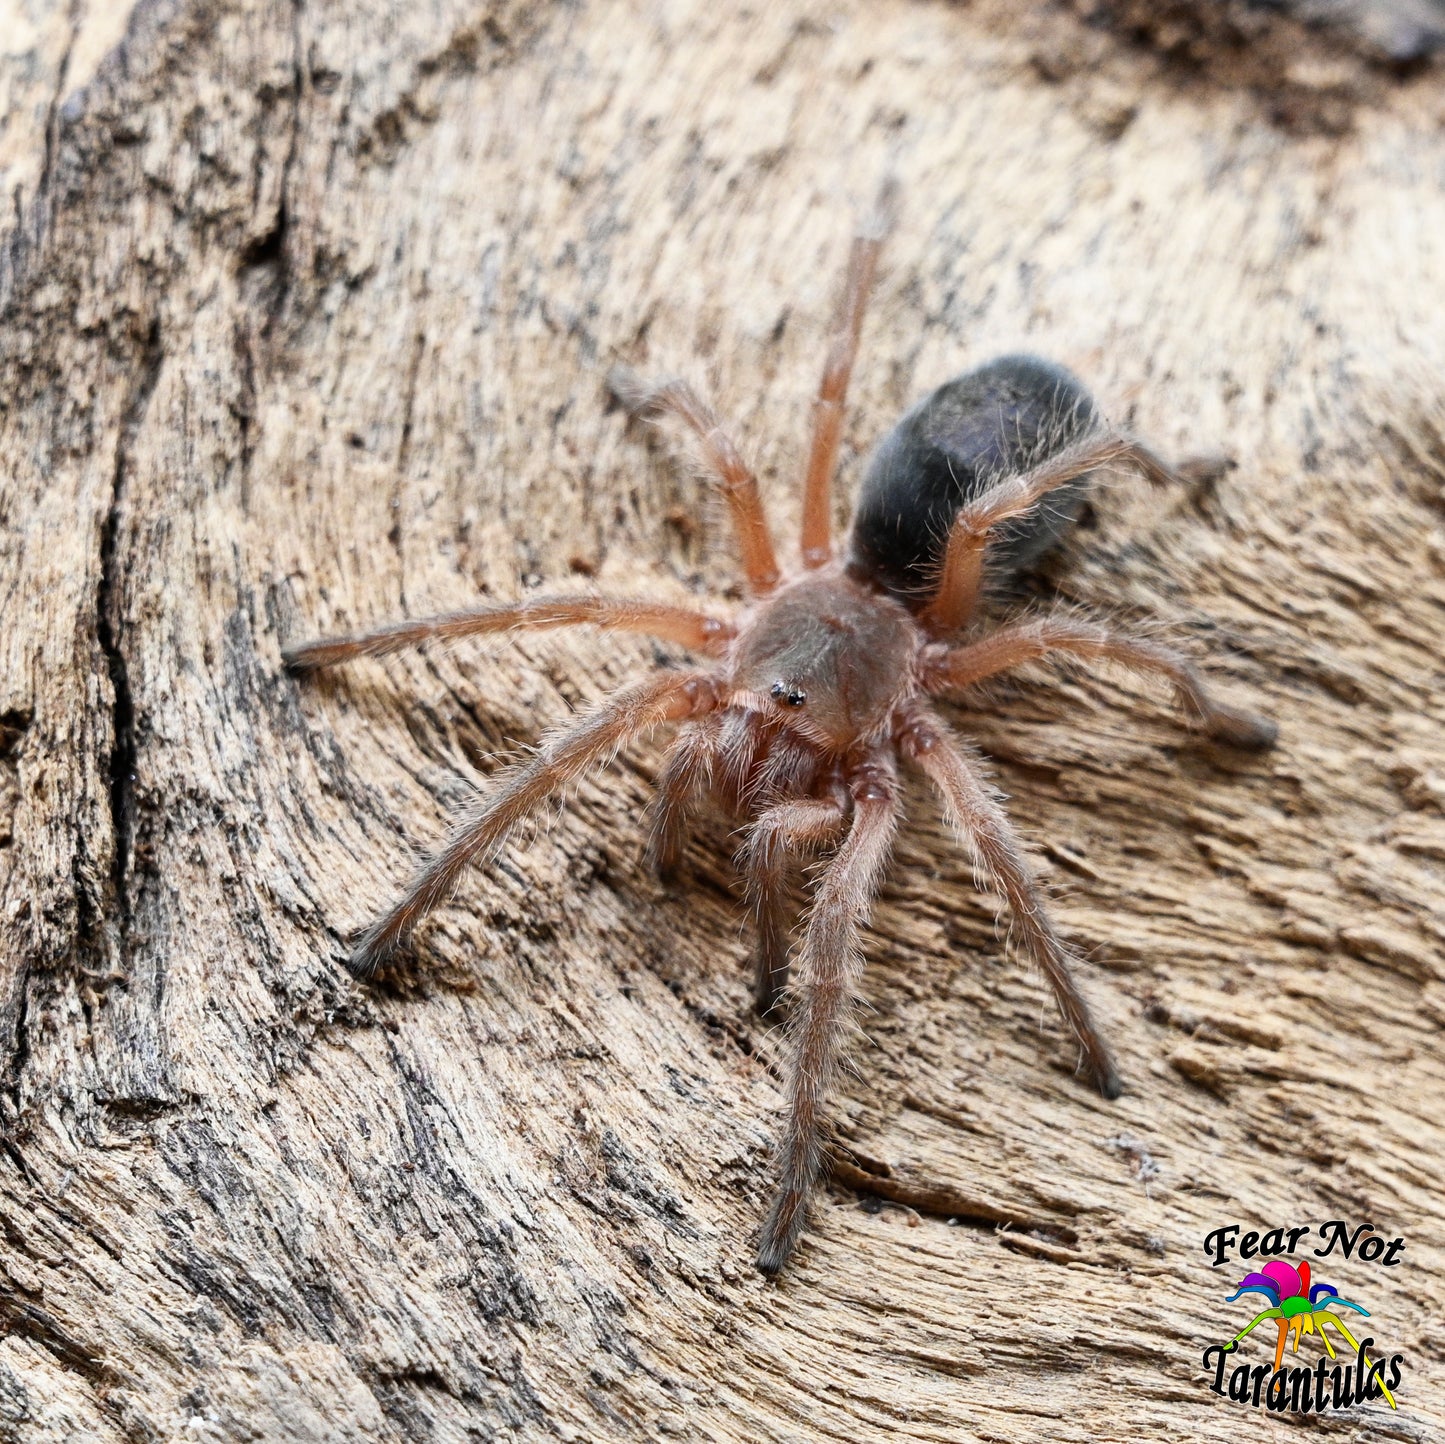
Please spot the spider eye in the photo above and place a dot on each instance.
(796, 697)
(777, 689)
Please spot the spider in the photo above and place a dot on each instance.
(825, 680)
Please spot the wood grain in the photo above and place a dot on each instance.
(305, 314)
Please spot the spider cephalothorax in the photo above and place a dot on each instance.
(824, 682)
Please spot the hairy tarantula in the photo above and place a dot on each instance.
(825, 679)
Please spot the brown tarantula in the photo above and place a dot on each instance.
(825, 679)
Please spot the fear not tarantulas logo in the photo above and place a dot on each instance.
(1297, 1304)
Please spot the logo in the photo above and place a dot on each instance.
(1297, 1305)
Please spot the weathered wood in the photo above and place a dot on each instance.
(306, 313)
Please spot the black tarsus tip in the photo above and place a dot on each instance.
(1246, 730)
(770, 1263)
(781, 1230)
(627, 389)
(775, 1251)
(301, 659)
(1204, 469)
(1264, 736)
(368, 955)
(360, 965)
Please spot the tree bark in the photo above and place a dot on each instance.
(305, 312)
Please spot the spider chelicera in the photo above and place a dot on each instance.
(825, 679)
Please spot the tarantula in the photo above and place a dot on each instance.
(826, 678)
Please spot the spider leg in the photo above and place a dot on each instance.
(829, 964)
(1255, 1322)
(837, 372)
(781, 831)
(977, 816)
(739, 485)
(1376, 1367)
(962, 573)
(1339, 1324)
(1283, 1326)
(618, 614)
(686, 774)
(1022, 642)
(625, 715)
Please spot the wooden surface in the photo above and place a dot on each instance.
(306, 313)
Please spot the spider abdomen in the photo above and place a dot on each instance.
(999, 419)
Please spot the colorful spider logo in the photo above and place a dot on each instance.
(1300, 1306)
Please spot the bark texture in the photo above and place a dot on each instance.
(305, 310)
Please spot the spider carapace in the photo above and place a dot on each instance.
(825, 680)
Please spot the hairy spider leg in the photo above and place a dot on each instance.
(780, 832)
(816, 540)
(984, 827)
(773, 769)
(830, 963)
(961, 576)
(685, 778)
(709, 635)
(627, 714)
(739, 485)
(1012, 646)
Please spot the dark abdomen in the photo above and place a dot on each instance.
(997, 420)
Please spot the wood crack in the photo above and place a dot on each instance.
(939, 1200)
(123, 720)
